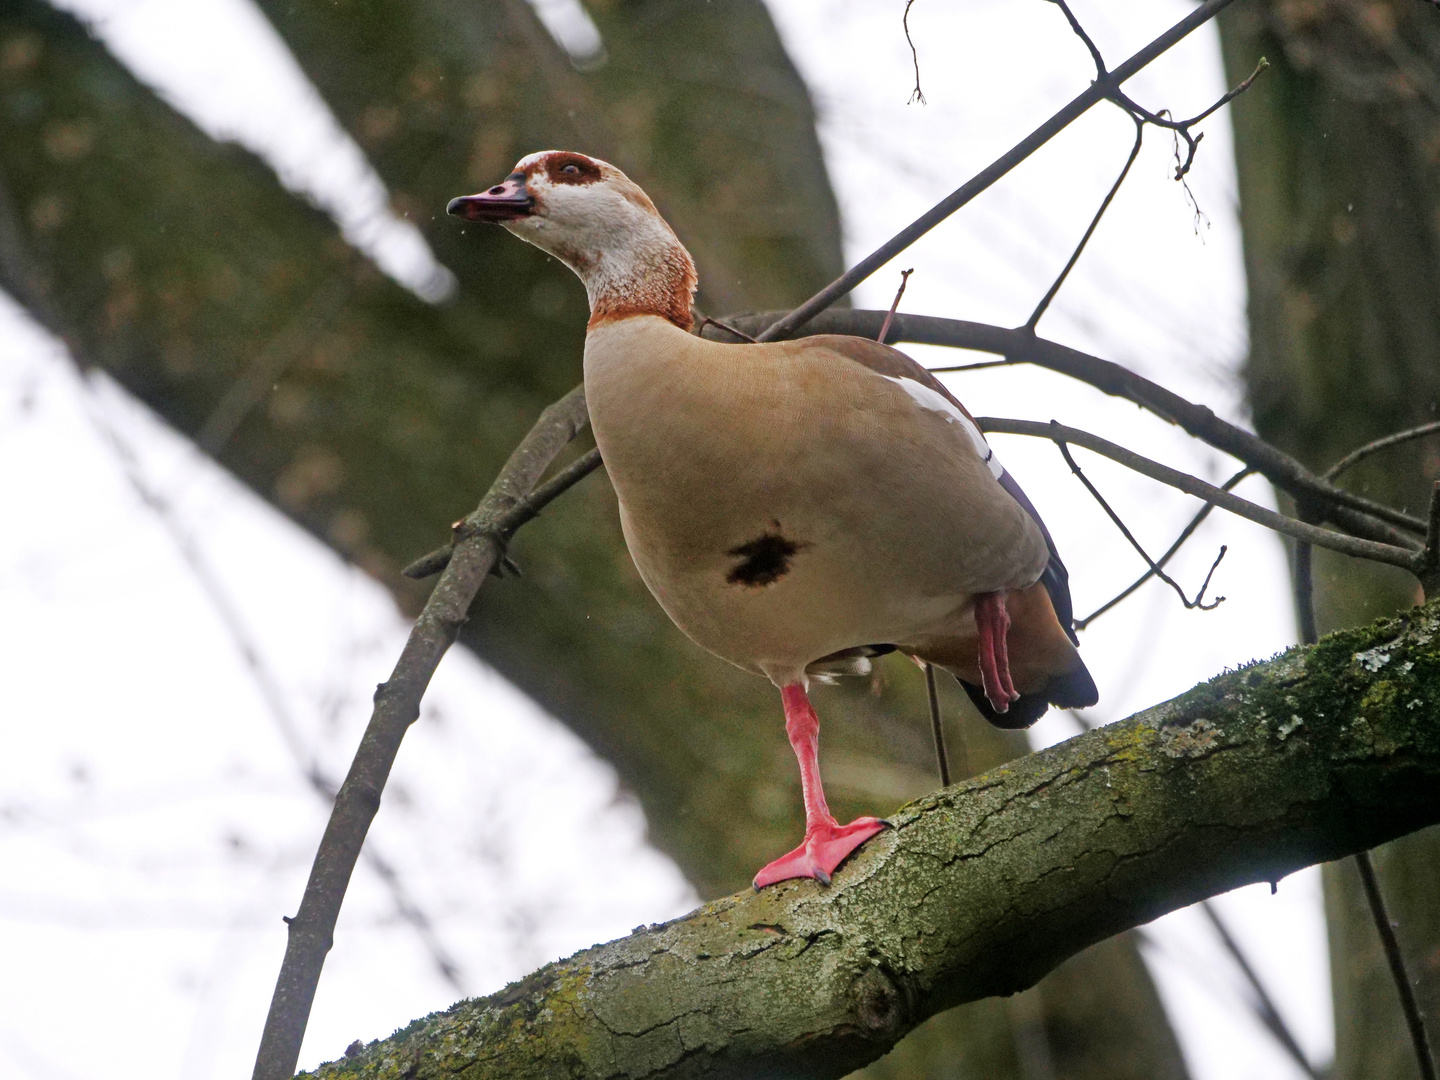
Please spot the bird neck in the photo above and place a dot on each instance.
(656, 277)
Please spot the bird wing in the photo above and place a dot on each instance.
(895, 365)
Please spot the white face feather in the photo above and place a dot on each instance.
(605, 229)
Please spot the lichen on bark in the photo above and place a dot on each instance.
(982, 888)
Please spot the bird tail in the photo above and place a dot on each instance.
(1071, 690)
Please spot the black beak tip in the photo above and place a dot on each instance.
(455, 207)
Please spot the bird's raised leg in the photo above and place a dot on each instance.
(993, 622)
(827, 842)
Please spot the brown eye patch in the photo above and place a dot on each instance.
(571, 169)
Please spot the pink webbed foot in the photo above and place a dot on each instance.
(993, 622)
(824, 849)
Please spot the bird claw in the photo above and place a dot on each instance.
(824, 849)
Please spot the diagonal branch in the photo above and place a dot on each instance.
(1405, 558)
(785, 325)
(477, 551)
(1045, 300)
(522, 513)
(1414, 1018)
(1263, 1005)
(982, 888)
(1079, 30)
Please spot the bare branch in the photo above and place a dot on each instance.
(894, 305)
(1304, 588)
(1347, 545)
(1154, 566)
(1185, 534)
(1100, 71)
(981, 888)
(1263, 1006)
(1359, 454)
(1429, 572)
(935, 728)
(915, 95)
(1181, 128)
(1080, 104)
(1044, 304)
(1413, 1020)
(706, 320)
(524, 511)
(397, 705)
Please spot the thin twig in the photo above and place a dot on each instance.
(706, 320)
(1361, 453)
(894, 305)
(1304, 587)
(1304, 580)
(1185, 534)
(1263, 1005)
(1353, 513)
(935, 729)
(521, 513)
(1096, 92)
(980, 366)
(1155, 569)
(1413, 1020)
(1182, 127)
(1044, 304)
(1430, 560)
(1100, 71)
(397, 705)
(915, 95)
(1347, 545)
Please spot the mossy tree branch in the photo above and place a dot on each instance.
(982, 888)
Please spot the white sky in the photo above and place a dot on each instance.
(156, 825)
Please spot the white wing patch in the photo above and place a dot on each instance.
(934, 401)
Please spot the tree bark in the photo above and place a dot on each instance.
(982, 888)
(1340, 208)
(1097, 1016)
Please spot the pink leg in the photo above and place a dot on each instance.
(993, 622)
(827, 842)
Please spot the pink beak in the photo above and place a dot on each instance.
(506, 201)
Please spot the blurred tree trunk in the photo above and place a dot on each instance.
(1338, 151)
(235, 310)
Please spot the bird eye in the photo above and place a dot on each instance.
(571, 170)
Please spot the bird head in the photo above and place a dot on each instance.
(597, 221)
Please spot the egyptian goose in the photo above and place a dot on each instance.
(796, 507)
